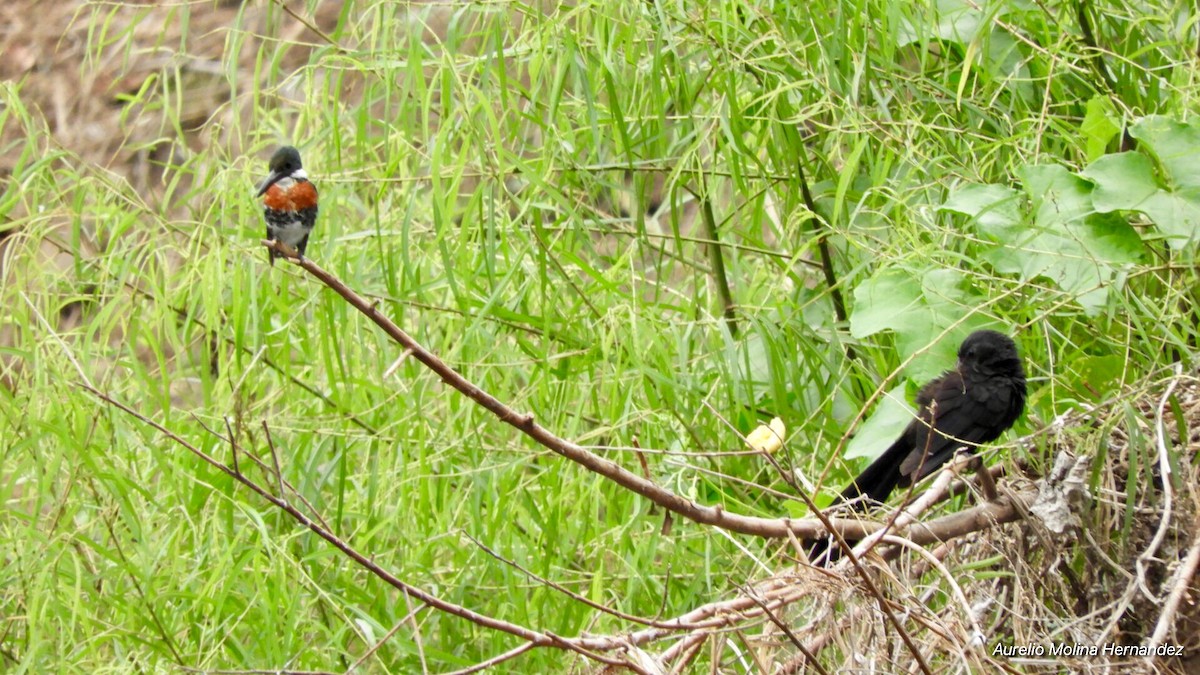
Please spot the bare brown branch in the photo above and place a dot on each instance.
(524, 422)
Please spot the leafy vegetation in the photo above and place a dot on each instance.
(653, 225)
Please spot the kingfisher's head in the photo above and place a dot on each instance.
(285, 163)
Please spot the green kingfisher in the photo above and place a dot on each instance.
(289, 201)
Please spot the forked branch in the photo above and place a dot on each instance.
(851, 528)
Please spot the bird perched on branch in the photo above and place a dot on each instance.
(289, 201)
(963, 408)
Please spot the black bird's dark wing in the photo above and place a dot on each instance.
(962, 414)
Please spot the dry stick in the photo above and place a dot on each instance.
(728, 309)
(1180, 584)
(1164, 523)
(851, 528)
(579, 598)
(524, 422)
(262, 465)
(495, 660)
(412, 613)
(812, 659)
(1008, 508)
(855, 560)
(544, 639)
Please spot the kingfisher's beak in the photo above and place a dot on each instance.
(274, 178)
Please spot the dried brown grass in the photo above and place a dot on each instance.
(1023, 585)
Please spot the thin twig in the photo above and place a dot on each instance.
(267, 471)
(674, 624)
(524, 422)
(540, 639)
(812, 659)
(1180, 584)
(383, 640)
(233, 455)
(717, 256)
(495, 660)
(312, 27)
(128, 567)
(562, 271)
(274, 458)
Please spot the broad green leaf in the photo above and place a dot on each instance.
(1125, 182)
(1175, 144)
(996, 209)
(950, 20)
(882, 428)
(1077, 248)
(920, 312)
(1177, 214)
(1068, 241)
(884, 302)
(1099, 127)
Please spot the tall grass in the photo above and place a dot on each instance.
(523, 188)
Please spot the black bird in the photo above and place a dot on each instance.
(965, 407)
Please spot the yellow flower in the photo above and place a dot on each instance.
(767, 438)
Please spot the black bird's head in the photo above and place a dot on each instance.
(987, 351)
(285, 163)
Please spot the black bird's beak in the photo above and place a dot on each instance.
(272, 179)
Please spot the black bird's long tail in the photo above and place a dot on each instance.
(878, 480)
(874, 485)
